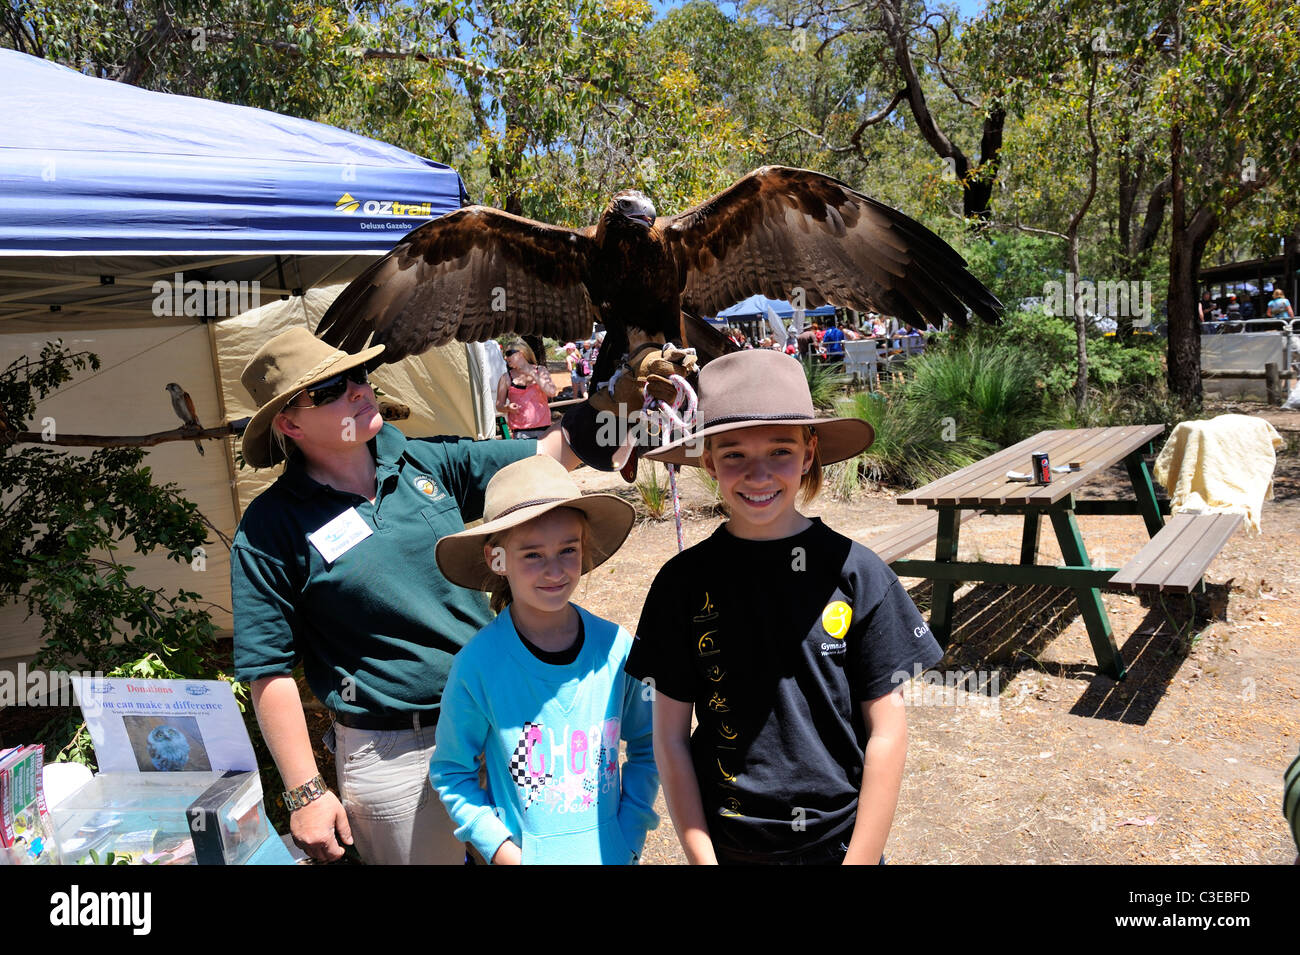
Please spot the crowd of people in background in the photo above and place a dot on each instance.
(816, 342)
(1229, 308)
(826, 343)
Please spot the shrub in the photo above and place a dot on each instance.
(986, 388)
(911, 448)
(1048, 342)
(653, 490)
(1114, 407)
(825, 383)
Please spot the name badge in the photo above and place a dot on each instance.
(340, 535)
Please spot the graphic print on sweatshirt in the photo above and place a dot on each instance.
(569, 769)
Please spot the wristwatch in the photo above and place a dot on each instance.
(310, 791)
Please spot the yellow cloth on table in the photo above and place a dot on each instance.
(1220, 466)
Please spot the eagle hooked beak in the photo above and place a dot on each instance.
(638, 208)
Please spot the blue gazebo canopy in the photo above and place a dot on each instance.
(93, 166)
(757, 306)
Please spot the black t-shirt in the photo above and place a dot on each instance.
(777, 643)
(560, 658)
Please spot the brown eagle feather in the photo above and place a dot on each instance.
(480, 273)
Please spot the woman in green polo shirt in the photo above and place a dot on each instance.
(333, 567)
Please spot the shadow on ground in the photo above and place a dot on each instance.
(1005, 630)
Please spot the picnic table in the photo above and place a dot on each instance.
(1173, 561)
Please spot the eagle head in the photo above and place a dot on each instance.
(633, 206)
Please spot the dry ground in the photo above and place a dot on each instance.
(1051, 761)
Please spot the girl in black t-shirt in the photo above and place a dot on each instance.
(798, 757)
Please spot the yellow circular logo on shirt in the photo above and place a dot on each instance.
(836, 619)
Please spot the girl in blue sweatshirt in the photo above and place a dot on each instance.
(541, 690)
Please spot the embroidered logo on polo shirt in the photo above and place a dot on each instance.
(426, 485)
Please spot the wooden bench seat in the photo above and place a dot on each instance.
(902, 540)
(1176, 558)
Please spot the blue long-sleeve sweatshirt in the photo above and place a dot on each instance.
(550, 734)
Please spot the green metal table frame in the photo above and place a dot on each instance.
(1077, 573)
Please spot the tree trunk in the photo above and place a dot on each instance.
(977, 191)
(1184, 354)
(1080, 326)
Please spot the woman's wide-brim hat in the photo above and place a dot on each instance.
(284, 366)
(520, 492)
(754, 389)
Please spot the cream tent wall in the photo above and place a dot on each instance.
(444, 388)
(127, 396)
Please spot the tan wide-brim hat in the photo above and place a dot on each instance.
(753, 389)
(284, 366)
(520, 492)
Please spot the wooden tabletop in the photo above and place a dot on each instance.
(985, 484)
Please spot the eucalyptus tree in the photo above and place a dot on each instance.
(906, 57)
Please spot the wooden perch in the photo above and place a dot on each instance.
(389, 410)
(130, 440)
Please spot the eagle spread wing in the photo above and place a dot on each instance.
(780, 229)
(474, 274)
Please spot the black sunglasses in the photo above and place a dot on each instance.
(331, 389)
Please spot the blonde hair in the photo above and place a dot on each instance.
(287, 446)
(810, 484)
(498, 585)
(523, 349)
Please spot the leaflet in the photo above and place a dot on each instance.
(164, 726)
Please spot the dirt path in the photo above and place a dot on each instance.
(1049, 761)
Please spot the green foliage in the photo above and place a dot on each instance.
(991, 388)
(1014, 266)
(1047, 344)
(1151, 403)
(709, 485)
(825, 383)
(911, 448)
(108, 858)
(65, 521)
(276, 54)
(654, 491)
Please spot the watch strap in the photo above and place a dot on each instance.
(310, 791)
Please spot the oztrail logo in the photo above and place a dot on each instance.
(349, 204)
